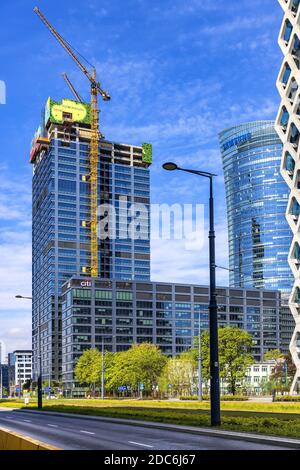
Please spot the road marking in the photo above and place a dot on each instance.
(52, 425)
(27, 421)
(87, 432)
(139, 444)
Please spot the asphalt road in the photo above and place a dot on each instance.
(83, 434)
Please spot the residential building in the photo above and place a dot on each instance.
(258, 375)
(122, 313)
(258, 234)
(60, 157)
(20, 365)
(288, 129)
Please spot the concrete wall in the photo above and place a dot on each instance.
(12, 441)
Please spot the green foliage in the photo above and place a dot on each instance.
(273, 355)
(141, 364)
(288, 398)
(223, 398)
(234, 355)
(88, 367)
(179, 373)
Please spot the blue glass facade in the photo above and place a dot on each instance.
(257, 197)
(61, 232)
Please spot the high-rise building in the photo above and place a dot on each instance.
(60, 157)
(256, 195)
(288, 129)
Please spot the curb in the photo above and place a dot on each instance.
(234, 435)
(11, 440)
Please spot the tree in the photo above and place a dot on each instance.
(179, 373)
(291, 368)
(88, 368)
(273, 355)
(141, 364)
(234, 355)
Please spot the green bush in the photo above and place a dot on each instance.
(294, 398)
(223, 398)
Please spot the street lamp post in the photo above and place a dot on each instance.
(199, 361)
(213, 308)
(102, 373)
(39, 381)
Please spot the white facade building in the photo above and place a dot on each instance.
(21, 363)
(258, 375)
(288, 129)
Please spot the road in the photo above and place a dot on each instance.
(83, 434)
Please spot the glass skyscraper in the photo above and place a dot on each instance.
(61, 214)
(259, 235)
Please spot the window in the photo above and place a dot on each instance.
(286, 74)
(124, 295)
(289, 164)
(284, 118)
(287, 31)
(103, 294)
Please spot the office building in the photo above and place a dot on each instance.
(123, 313)
(20, 365)
(256, 195)
(258, 234)
(288, 129)
(60, 157)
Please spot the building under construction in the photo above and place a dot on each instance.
(62, 246)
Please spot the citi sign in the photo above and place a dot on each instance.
(2, 92)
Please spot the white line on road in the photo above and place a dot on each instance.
(27, 421)
(87, 432)
(52, 425)
(139, 444)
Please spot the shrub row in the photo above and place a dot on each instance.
(294, 398)
(223, 398)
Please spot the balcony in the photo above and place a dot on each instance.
(295, 6)
(296, 50)
(295, 210)
(294, 136)
(292, 90)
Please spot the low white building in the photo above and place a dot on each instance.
(20, 363)
(259, 374)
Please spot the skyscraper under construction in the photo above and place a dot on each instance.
(60, 157)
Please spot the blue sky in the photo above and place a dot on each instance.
(178, 73)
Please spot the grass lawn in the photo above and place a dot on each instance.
(282, 419)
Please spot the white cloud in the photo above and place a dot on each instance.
(172, 262)
(15, 267)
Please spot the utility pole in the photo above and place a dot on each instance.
(199, 361)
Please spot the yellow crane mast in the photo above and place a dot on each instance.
(95, 137)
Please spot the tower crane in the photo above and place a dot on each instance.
(95, 136)
(71, 86)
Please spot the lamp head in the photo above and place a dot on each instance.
(169, 166)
